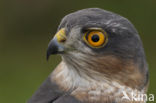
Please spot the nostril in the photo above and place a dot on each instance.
(63, 40)
(61, 36)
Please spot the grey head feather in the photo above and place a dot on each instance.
(123, 38)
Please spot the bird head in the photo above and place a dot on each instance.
(96, 32)
(101, 45)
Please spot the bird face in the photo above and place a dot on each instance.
(77, 41)
(100, 44)
(96, 32)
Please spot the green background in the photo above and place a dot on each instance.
(26, 27)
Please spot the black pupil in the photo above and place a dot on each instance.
(95, 38)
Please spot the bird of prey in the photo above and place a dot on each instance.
(103, 61)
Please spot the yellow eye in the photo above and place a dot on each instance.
(95, 38)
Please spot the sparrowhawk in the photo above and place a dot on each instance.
(102, 58)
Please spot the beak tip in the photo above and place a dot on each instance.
(47, 56)
(53, 48)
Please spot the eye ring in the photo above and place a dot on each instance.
(95, 38)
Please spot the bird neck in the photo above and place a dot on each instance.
(84, 87)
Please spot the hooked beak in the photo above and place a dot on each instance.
(56, 44)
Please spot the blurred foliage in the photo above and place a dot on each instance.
(26, 27)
